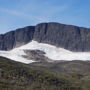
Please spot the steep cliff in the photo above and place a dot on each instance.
(66, 36)
(16, 38)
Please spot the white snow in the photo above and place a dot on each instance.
(15, 55)
(51, 51)
(56, 53)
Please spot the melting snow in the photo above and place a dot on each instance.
(15, 55)
(51, 51)
(56, 53)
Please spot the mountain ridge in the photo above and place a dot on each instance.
(70, 37)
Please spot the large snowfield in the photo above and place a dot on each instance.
(52, 52)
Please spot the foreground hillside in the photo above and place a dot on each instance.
(76, 72)
(18, 76)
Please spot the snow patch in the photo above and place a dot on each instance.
(52, 52)
(16, 55)
(56, 53)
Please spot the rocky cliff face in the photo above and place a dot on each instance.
(16, 38)
(66, 36)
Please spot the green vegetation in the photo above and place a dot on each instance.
(18, 76)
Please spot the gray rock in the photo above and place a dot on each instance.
(1, 42)
(16, 38)
(23, 35)
(66, 36)
(9, 40)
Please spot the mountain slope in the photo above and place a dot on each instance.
(18, 76)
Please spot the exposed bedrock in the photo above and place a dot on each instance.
(66, 36)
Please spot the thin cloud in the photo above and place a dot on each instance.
(17, 13)
(13, 12)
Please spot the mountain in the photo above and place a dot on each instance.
(46, 42)
(48, 56)
(69, 37)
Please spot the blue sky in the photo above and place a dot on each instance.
(20, 13)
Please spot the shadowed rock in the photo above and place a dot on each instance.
(16, 38)
(66, 36)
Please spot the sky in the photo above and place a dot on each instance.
(20, 13)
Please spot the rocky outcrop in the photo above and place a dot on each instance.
(16, 38)
(23, 35)
(66, 36)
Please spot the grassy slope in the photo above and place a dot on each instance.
(18, 76)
